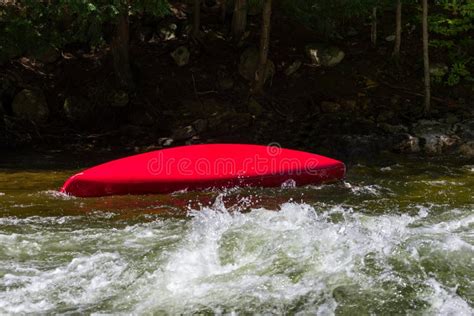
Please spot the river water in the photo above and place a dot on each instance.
(394, 238)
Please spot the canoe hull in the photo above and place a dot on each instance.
(201, 167)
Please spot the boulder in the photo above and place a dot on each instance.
(438, 144)
(165, 142)
(181, 55)
(324, 55)
(437, 137)
(48, 55)
(465, 129)
(168, 32)
(31, 105)
(293, 68)
(467, 150)
(200, 125)
(249, 62)
(183, 133)
(409, 145)
(79, 110)
(424, 127)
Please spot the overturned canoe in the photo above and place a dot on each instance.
(204, 166)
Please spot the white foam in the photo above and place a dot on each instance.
(229, 262)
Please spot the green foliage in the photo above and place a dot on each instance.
(326, 16)
(31, 26)
(453, 25)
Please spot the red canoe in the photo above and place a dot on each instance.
(204, 166)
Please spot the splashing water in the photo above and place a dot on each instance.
(392, 241)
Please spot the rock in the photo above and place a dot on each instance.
(465, 129)
(79, 110)
(437, 137)
(451, 119)
(393, 129)
(390, 38)
(249, 62)
(31, 105)
(438, 144)
(49, 55)
(425, 127)
(166, 142)
(181, 55)
(119, 98)
(200, 125)
(438, 69)
(168, 32)
(467, 150)
(183, 133)
(254, 107)
(294, 67)
(324, 55)
(409, 145)
(226, 82)
(330, 107)
(141, 117)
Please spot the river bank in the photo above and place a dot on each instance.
(359, 103)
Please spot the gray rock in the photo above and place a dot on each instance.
(166, 141)
(200, 125)
(183, 133)
(390, 38)
(467, 150)
(181, 55)
(393, 129)
(119, 98)
(465, 130)
(451, 119)
(324, 55)
(168, 32)
(425, 127)
(249, 62)
(294, 67)
(409, 145)
(437, 137)
(31, 105)
(330, 107)
(438, 144)
(49, 55)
